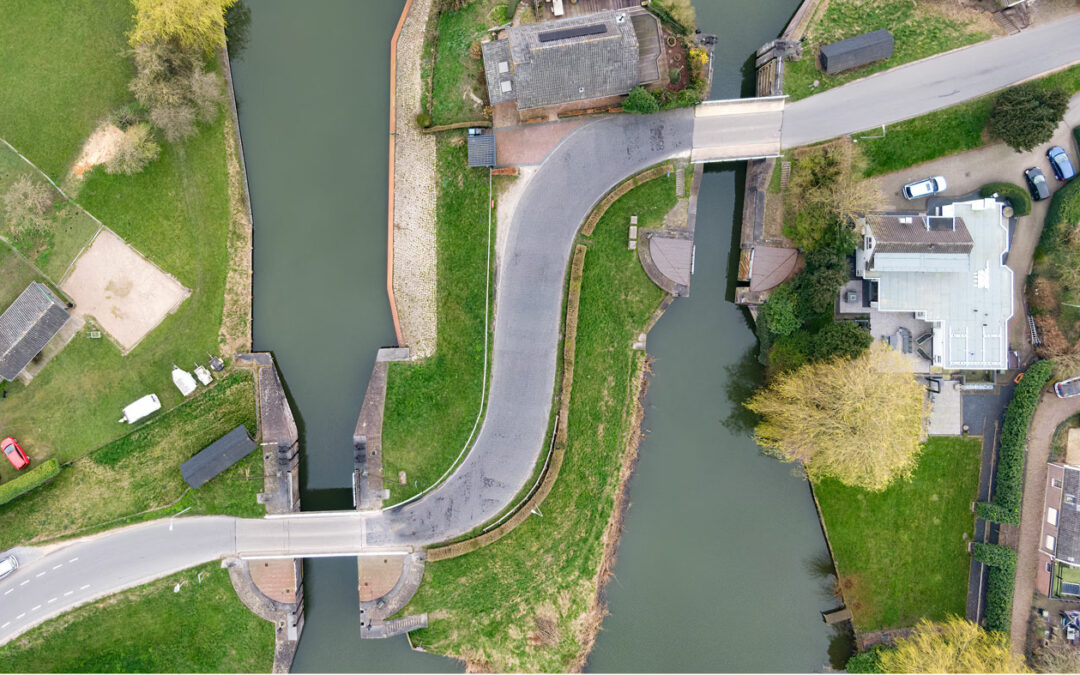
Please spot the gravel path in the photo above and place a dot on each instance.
(414, 195)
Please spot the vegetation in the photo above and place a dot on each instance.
(135, 151)
(920, 29)
(952, 646)
(151, 629)
(902, 553)
(457, 79)
(678, 14)
(1054, 289)
(780, 312)
(175, 88)
(1018, 197)
(431, 407)
(28, 480)
(26, 201)
(866, 662)
(1001, 561)
(641, 101)
(1009, 488)
(826, 193)
(140, 472)
(1027, 115)
(192, 24)
(1058, 657)
(525, 603)
(818, 416)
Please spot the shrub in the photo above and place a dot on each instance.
(25, 482)
(866, 662)
(172, 84)
(1027, 115)
(135, 151)
(846, 339)
(780, 311)
(1076, 136)
(26, 200)
(423, 120)
(1009, 492)
(641, 101)
(1001, 561)
(1018, 197)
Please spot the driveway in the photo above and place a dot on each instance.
(997, 162)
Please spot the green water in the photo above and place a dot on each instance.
(721, 561)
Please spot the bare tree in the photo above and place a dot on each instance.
(135, 151)
(27, 200)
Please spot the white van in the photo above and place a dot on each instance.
(141, 408)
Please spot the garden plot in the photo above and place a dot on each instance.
(126, 294)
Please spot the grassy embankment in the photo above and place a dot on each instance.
(919, 29)
(151, 629)
(902, 553)
(457, 79)
(526, 602)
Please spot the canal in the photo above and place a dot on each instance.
(722, 565)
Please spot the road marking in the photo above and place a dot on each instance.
(39, 574)
(56, 567)
(83, 588)
(25, 582)
(35, 608)
(74, 559)
(20, 616)
(8, 591)
(68, 593)
(51, 600)
(5, 625)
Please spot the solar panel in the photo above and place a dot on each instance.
(1069, 588)
(566, 33)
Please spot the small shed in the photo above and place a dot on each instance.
(217, 457)
(856, 51)
(482, 150)
(26, 326)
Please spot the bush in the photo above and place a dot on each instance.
(1009, 491)
(423, 120)
(641, 101)
(1027, 115)
(780, 311)
(172, 84)
(1018, 197)
(1001, 561)
(36, 477)
(866, 662)
(846, 339)
(136, 151)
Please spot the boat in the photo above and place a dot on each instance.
(141, 408)
(203, 374)
(183, 380)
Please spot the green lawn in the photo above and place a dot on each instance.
(918, 28)
(141, 471)
(431, 407)
(456, 73)
(151, 629)
(63, 70)
(541, 577)
(902, 553)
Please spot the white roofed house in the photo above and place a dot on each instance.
(946, 272)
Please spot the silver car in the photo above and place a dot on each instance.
(8, 564)
(1068, 388)
(925, 187)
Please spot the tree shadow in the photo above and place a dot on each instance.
(743, 378)
(237, 28)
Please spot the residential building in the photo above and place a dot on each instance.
(26, 326)
(1059, 540)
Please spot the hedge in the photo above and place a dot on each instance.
(1018, 197)
(39, 475)
(1076, 135)
(866, 662)
(1001, 564)
(1009, 488)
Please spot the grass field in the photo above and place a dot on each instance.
(919, 29)
(902, 553)
(431, 407)
(455, 73)
(141, 471)
(521, 604)
(151, 629)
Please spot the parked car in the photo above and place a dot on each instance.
(14, 453)
(8, 564)
(1037, 184)
(1059, 162)
(925, 187)
(1068, 388)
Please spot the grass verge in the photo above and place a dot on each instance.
(902, 553)
(150, 629)
(458, 78)
(526, 602)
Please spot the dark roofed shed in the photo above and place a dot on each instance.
(856, 51)
(26, 326)
(482, 150)
(217, 457)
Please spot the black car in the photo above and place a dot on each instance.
(1037, 184)
(1059, 162)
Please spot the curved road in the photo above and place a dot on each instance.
(588, 162)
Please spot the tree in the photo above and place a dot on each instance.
(1056, 658)
(194, 24)
(952, 646)
(858, 421)
(26, 200)
(827, 191)
(846, 339)
(135, 151)
(172, 84)
(819, 283)
(779, 309)
(1027, 115)
(640, 101)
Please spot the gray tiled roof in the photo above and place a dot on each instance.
(919, 234)
(482, 150)
(546, 71)
(1068, 543)
(26, 326)
(216, 457)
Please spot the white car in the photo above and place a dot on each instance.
(1068, 388)
(8, 565)
(925, 187)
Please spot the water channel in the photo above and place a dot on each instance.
(720, 565)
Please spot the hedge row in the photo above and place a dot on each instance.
(1001, 563)
(39, 475)
(1018, 197)
(1009, 492)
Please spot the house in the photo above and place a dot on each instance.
(26, 326)
(576, 63)
(1059, 541)
(856, 51)
(938, 282)
(217, 457)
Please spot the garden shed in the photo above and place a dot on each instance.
(856, 51)
(217, 457)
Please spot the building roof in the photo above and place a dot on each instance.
(563, 61)
(482, 150)
(217, 457)
(1068, 526)
(771, 266)
(967, 296)
(857, 51)
(26, 326)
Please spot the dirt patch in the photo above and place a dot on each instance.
(98, 149)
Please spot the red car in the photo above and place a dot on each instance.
(14, 453)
